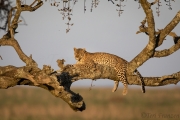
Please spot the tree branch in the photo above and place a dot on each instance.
(59, 82)
(168, 28)
(148, 51)
(167, 52)
(31, 74)
(77, 72)
(12, 42)
(11, 76)
(12, 26)
(174, 48)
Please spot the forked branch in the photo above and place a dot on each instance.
(155, 38)
(148, 51)
(30, 74)
(12, 42)
(174, 22)
(174, 48)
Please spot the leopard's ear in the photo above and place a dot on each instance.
(75, 49)
(84, 49)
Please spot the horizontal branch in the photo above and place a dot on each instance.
(156, 81)
(30, 74)
(11, 76)
(80, 71)
(59, 84)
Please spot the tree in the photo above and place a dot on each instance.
(59, 83)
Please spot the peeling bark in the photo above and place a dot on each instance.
(11, 76)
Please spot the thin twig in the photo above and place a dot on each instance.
(90, 88)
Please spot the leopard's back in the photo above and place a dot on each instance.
(104, 59)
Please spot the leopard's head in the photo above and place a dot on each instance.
(79, 53)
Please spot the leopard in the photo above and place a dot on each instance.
(102, 58)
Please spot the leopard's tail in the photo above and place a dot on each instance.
(141, 80)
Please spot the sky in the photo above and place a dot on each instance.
(101, 30)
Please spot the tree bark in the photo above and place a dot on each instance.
(58, 82)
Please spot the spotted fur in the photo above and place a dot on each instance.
(119, 64)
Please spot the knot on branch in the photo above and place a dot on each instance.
(47, 69)
(143, 28)
(60, 63)
(175, 37)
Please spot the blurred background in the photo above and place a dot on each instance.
(25, 103)
(43, 34)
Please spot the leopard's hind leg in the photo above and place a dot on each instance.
(121, 72)
(116, 84)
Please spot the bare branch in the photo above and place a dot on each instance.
(167, 52)
(12, 42)
(168, 28)
(174, 48)
(155, 1)
(78, 72)
(59, 84)
(143, 28)
(11, 76)
(31, 74)
(12, 26)
(157, 81)
(154, 41)
(148, 51)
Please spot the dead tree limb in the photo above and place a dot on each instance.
(155, 38)
(167, 52)
(174, 48)
(148, 51)
(78, 72)
(59, 83)
(12, 42)
(174, 22)
(30, 74)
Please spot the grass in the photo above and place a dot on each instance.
(27, 103)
